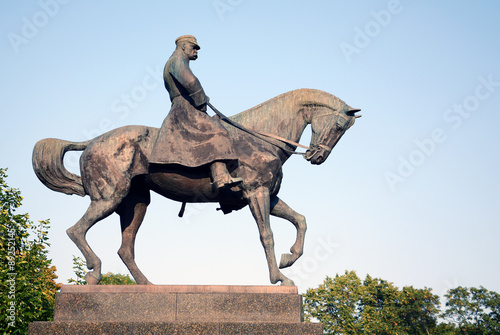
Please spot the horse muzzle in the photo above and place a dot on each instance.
(317, 155)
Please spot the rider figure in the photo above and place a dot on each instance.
(189, 136)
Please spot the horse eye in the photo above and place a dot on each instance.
(339, 127)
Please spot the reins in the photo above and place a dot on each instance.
(259, 134)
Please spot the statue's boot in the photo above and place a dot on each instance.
(221, 177)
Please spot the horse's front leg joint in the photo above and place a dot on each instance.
(298, 247)
(267, 239)
(301, 223)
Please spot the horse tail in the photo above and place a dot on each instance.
(48, 164)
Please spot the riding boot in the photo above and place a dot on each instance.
(221, 177)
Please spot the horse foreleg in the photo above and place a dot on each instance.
(97, 211)
(282, 210)
(259, 203)
(132, 211)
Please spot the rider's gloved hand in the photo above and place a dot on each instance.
(203, 107)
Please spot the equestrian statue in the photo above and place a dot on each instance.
(194, 158)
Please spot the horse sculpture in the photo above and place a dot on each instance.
(115, 173)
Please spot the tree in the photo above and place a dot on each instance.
(27, 278)
(379, 303)
(106, 279)
(473, 310)
(336, 304)
(345, 305)
(492, 319)
(418, 309)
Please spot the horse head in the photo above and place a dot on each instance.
(327, 129)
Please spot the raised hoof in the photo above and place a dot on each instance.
(287, 282)
(286, 260)
(91, 278)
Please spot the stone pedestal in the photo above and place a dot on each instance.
(162, 309)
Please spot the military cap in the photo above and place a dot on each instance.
(188, 38)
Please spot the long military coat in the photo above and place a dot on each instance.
(188, 136)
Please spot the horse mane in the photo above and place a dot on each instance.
(282, 110)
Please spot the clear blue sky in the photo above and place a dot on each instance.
(410, 194)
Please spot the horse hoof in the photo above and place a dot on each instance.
(286, 260)
(144, 282)
(91, 278)
(287, 282)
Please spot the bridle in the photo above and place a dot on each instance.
(325, 137)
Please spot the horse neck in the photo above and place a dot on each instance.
(288, 114)
(282, 116)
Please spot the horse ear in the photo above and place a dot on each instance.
(351, 112)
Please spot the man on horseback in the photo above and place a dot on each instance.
(189, 136)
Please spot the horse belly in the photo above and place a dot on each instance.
(189, 186)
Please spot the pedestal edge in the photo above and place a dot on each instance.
(267, 289)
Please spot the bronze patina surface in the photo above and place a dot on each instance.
(117, 175)
(189, 136)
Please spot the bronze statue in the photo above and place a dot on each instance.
(117, 175)
(188, 136)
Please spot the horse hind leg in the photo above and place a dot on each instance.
(282, 210)
(132, 211)
(98, 210)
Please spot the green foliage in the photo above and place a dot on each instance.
(80, 272)
(345, 305)
(473, 310)
(116, 279)
(27, 278)
(336, 304)
(445, 329)
(418, 309)
(106, 279)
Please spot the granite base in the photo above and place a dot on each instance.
(166, 309)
